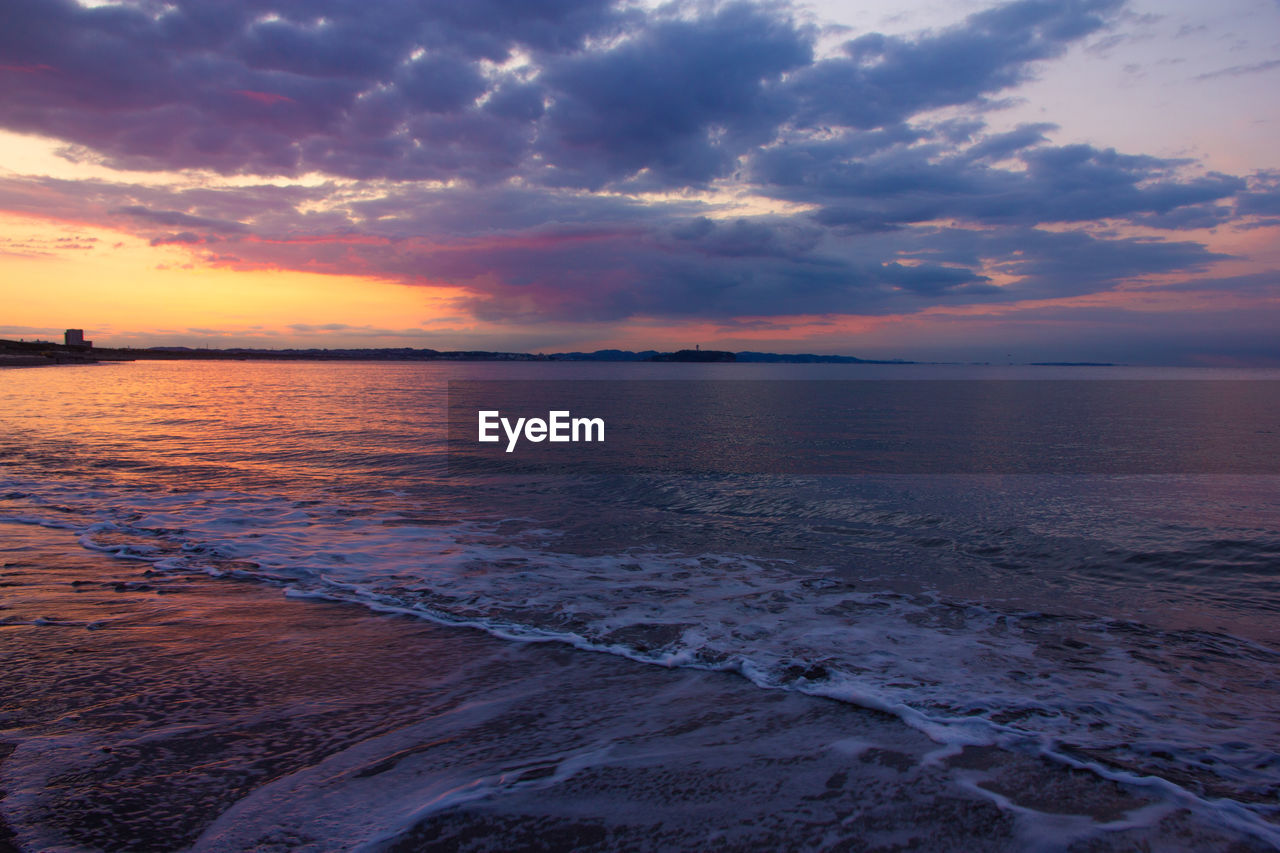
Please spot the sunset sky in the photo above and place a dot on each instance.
(1036, 180)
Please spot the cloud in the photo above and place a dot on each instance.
(277, 88)
(45, 247)
(530, 255)
(581, 160)
(882, 80)
(680, 98)
(1240, 70)
(178, 218)
(1262, 197)
(29, 330)
(904, 182)
(1265, 284)
(404, 92)
(364, 331)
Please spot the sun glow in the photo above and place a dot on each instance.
(130, 292)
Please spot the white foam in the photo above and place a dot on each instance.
(963, 674)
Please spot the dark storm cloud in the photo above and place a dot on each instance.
(513, 148)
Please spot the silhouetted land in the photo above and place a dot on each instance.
(40, 353)
(698, 355)
(34, 353)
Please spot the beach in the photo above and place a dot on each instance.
(151, 712)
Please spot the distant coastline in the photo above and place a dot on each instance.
(35, 353)
(43, 353)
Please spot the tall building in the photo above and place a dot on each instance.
(75, 338)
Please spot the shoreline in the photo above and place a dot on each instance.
(154, 711)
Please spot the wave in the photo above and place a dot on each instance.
(1187, 713)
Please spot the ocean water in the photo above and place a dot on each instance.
(1126, 624)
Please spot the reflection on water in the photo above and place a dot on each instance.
(853, 427)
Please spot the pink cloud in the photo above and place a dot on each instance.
(267, 98)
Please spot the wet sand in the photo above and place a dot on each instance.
(146, 711)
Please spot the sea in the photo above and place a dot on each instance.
(1123, 623)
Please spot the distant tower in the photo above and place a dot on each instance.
(75, 338)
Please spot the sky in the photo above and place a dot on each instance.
(1037, 180)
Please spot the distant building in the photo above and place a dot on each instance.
(75, 338)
